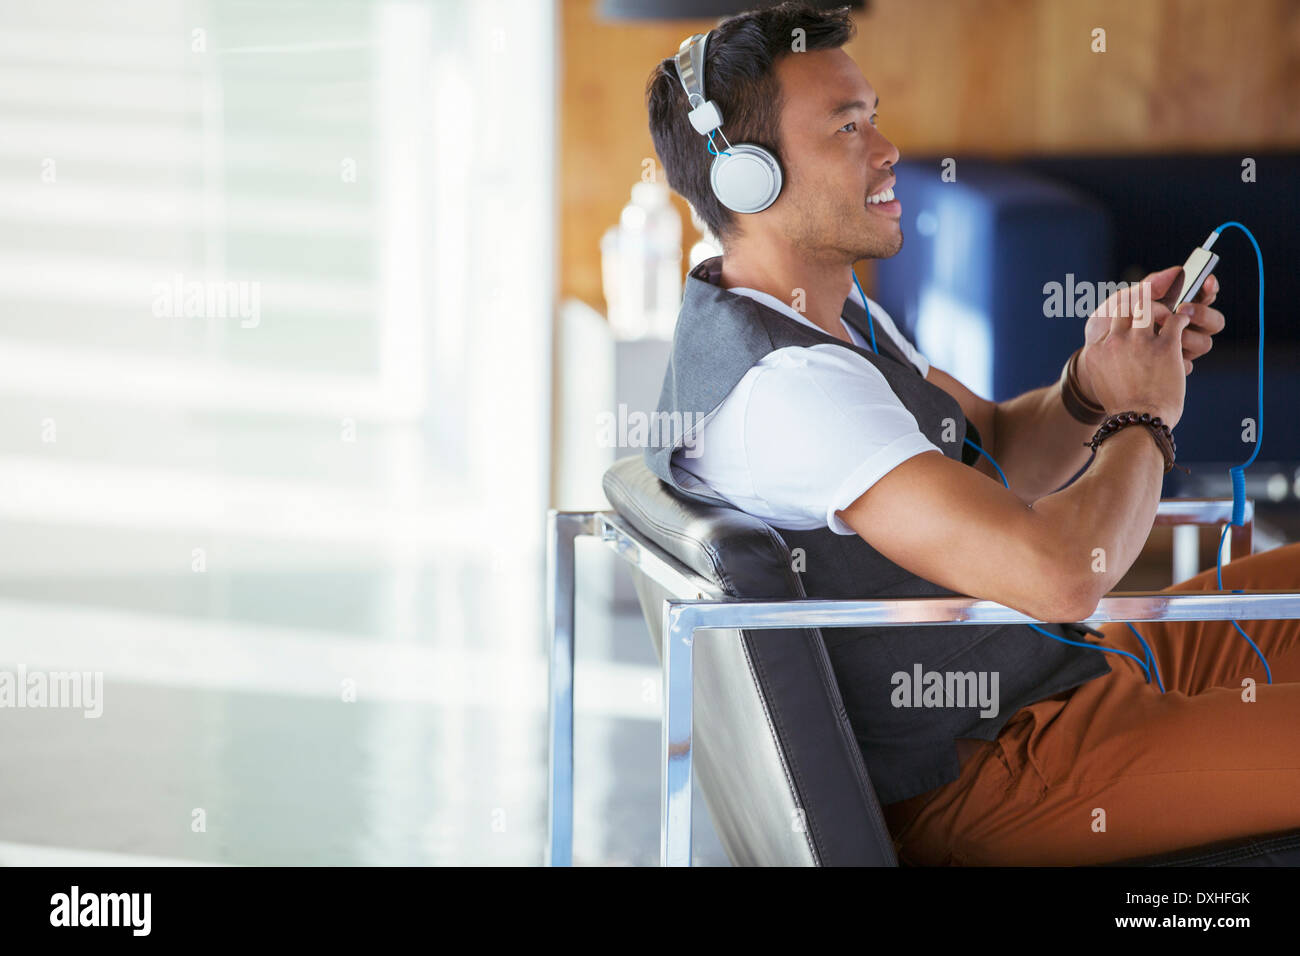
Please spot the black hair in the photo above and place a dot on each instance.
(739, 73)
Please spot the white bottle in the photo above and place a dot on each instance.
(641, 265)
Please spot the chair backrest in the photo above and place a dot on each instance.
(776, 759)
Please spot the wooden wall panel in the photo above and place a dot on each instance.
(960, 77)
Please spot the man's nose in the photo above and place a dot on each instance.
(886, 153)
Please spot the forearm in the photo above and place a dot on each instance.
(1102, 521)
(1039, 445)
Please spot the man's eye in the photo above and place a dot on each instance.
(853, 123)
(873, 119)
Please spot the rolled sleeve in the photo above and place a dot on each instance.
(821, 427)
(872, 470)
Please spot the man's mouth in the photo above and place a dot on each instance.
(885, 202)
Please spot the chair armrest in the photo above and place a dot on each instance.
(1200, 511)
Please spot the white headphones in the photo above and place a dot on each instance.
(745, 178)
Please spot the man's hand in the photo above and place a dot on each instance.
(1206, 323)
(1197, 337)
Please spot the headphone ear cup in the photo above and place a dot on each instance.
(746, 181)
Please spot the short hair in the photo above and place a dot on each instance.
(739, 73)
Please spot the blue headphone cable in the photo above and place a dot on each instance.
(870, 324)
(1238, 472)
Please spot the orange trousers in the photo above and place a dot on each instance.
(1113, 769)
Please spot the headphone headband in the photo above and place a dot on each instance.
(690, 66)
(745, 178)
(705, 115)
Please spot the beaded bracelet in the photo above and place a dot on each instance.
(1164, 438)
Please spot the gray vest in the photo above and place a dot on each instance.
(906, 741)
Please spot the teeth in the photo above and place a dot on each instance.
(880, 197)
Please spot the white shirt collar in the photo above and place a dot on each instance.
(772, 302)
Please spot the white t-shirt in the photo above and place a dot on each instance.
(807, 430)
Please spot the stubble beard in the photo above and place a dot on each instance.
(845, 235)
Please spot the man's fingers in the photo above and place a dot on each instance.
(1136, 307)
(1173, 330)
(1156, 320)
(1162, 280)
(1206, 323)
(1209, 291)
(1195, 343)
(1204, 317)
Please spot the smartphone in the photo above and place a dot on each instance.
(1196, 270)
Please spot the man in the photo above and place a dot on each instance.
(827, 423)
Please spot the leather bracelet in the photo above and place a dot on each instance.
(1159, 431)
(1072, 395)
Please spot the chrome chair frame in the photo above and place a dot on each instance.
(698, 605)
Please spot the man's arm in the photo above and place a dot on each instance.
(1037, 443)
(1032, 437)
(934, 517)
(1054, 558)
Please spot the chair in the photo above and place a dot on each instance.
(749, 695)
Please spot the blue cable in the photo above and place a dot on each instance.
(1238, 472)
(713, 149)
(1097, 647)
(1005, 483)
(870, 324)
(1151, 658)
(1268, 673)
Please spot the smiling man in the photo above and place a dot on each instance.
(817, 415)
